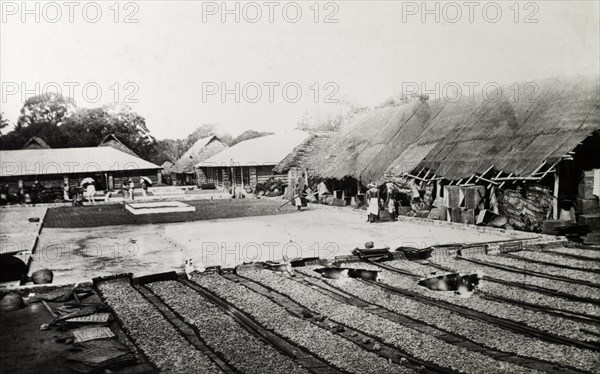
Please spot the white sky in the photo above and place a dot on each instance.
(369, 53)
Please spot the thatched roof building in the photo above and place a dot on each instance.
(519, 134)
(36, 143)
(306, 155)
(112, 141)
(167, 167)
(201, 150)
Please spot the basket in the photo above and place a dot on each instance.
(43, 276)
(12, 301)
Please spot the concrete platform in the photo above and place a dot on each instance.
(159, 207)
(77, 255)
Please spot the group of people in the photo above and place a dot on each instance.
(36, 193)
(375, 203)
(128, 188)
(32, 194)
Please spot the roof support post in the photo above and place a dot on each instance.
(242, 174)
(555, 200)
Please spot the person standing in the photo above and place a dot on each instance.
(373, 202)
(125, 190)
(4, 195)
(91, 192)
(144, 187)
(131, 188)
(301, 200)
(391, 202)
(66, 196)
(35, 191)
(21, 194)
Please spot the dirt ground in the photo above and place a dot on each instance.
(79, 254)
(116, 214)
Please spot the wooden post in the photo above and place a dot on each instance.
(242, 174)
(232, 181)
(555, 200)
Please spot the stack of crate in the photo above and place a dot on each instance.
(462, 203)
(588, 208)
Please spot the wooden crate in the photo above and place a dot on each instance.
(455, 215)
(586, 186)
(588, 206)
(590, 219)
(455, 196)
(467, 216)
(473, 196)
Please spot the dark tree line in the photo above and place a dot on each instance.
(61, 124)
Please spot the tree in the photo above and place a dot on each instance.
(3, 122)
(46, 109)
(87, 128)
(40, 116)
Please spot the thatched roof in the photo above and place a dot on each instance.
(36, 143)
(306, 155)
(198, 152)
(167, 167)
(456, 140)
(112, 141)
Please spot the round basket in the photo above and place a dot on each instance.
(43, 276)
(12, 301)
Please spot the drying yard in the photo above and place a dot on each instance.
(525, 316)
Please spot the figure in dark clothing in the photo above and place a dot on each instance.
(4, 195)
(35, 192)
(301, 200)
(21, 195)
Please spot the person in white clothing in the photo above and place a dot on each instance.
(91, 191)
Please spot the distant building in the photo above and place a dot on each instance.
(36, 143)
(249, 162)
(182, 172)
(112, 141)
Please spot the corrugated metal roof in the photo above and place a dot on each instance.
(266, 150)
(68, 160)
